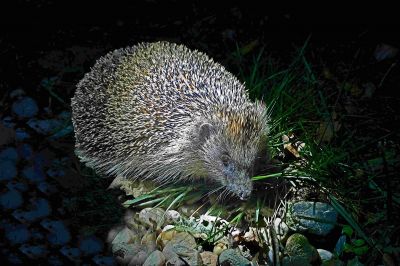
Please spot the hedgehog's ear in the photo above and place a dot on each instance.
(205, 131)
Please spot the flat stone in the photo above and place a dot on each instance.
(183, 246)
(313, 217)
(281, 228)
(152, 217)
(156, 258)
(208, 258)
(325, 255)
(232, 257)
(124, 236)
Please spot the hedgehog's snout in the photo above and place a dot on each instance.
(241, 189)
(244, 194)
(239, 183)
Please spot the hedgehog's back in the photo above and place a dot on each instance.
(135, 101)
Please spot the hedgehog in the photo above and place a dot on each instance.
(163, 112)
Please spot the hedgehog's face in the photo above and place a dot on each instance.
(230, 163)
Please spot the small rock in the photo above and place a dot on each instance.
(183, 245)
(219, 248)
(281, 228)
(9, 153)
(8, 170)
(45, 126)
(132, 221)
(125, 236)
(184, 239)
(7, 122)
(298, 249)
(59, 233)
(11, 199)
(17, 234)
(251, 235)
(156, 258)
(129, 254)
(172, 217)
(25, 107)
(152, 217)
(314, 217)
(149, 242)
(21, 134)
(325, 255)
(209, 258)
(164, 237)
(232, 257)
(40, 209)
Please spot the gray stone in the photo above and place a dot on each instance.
(152, 217)
(281, 228)
(139, 259)
(208, 258)
(232, 257)
(128, 254)
(183, 245)
(124, 236)
(149, 242)
(325, 255)
(172, 217)
(156, 258)
(314, 217)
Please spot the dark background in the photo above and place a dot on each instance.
(31, 28)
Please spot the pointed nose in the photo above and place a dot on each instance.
(244, 195)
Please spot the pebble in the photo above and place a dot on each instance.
(59, 233)
(232, 257)
(152, 217)
(25, 107)
(325, 255)
(313, 217)
(8, 170)
(17, 234)
(299, 250)
(156, 258)
(40, 209)
(208, 258)
(11, 199)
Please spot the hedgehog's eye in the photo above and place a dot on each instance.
(225, 159)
